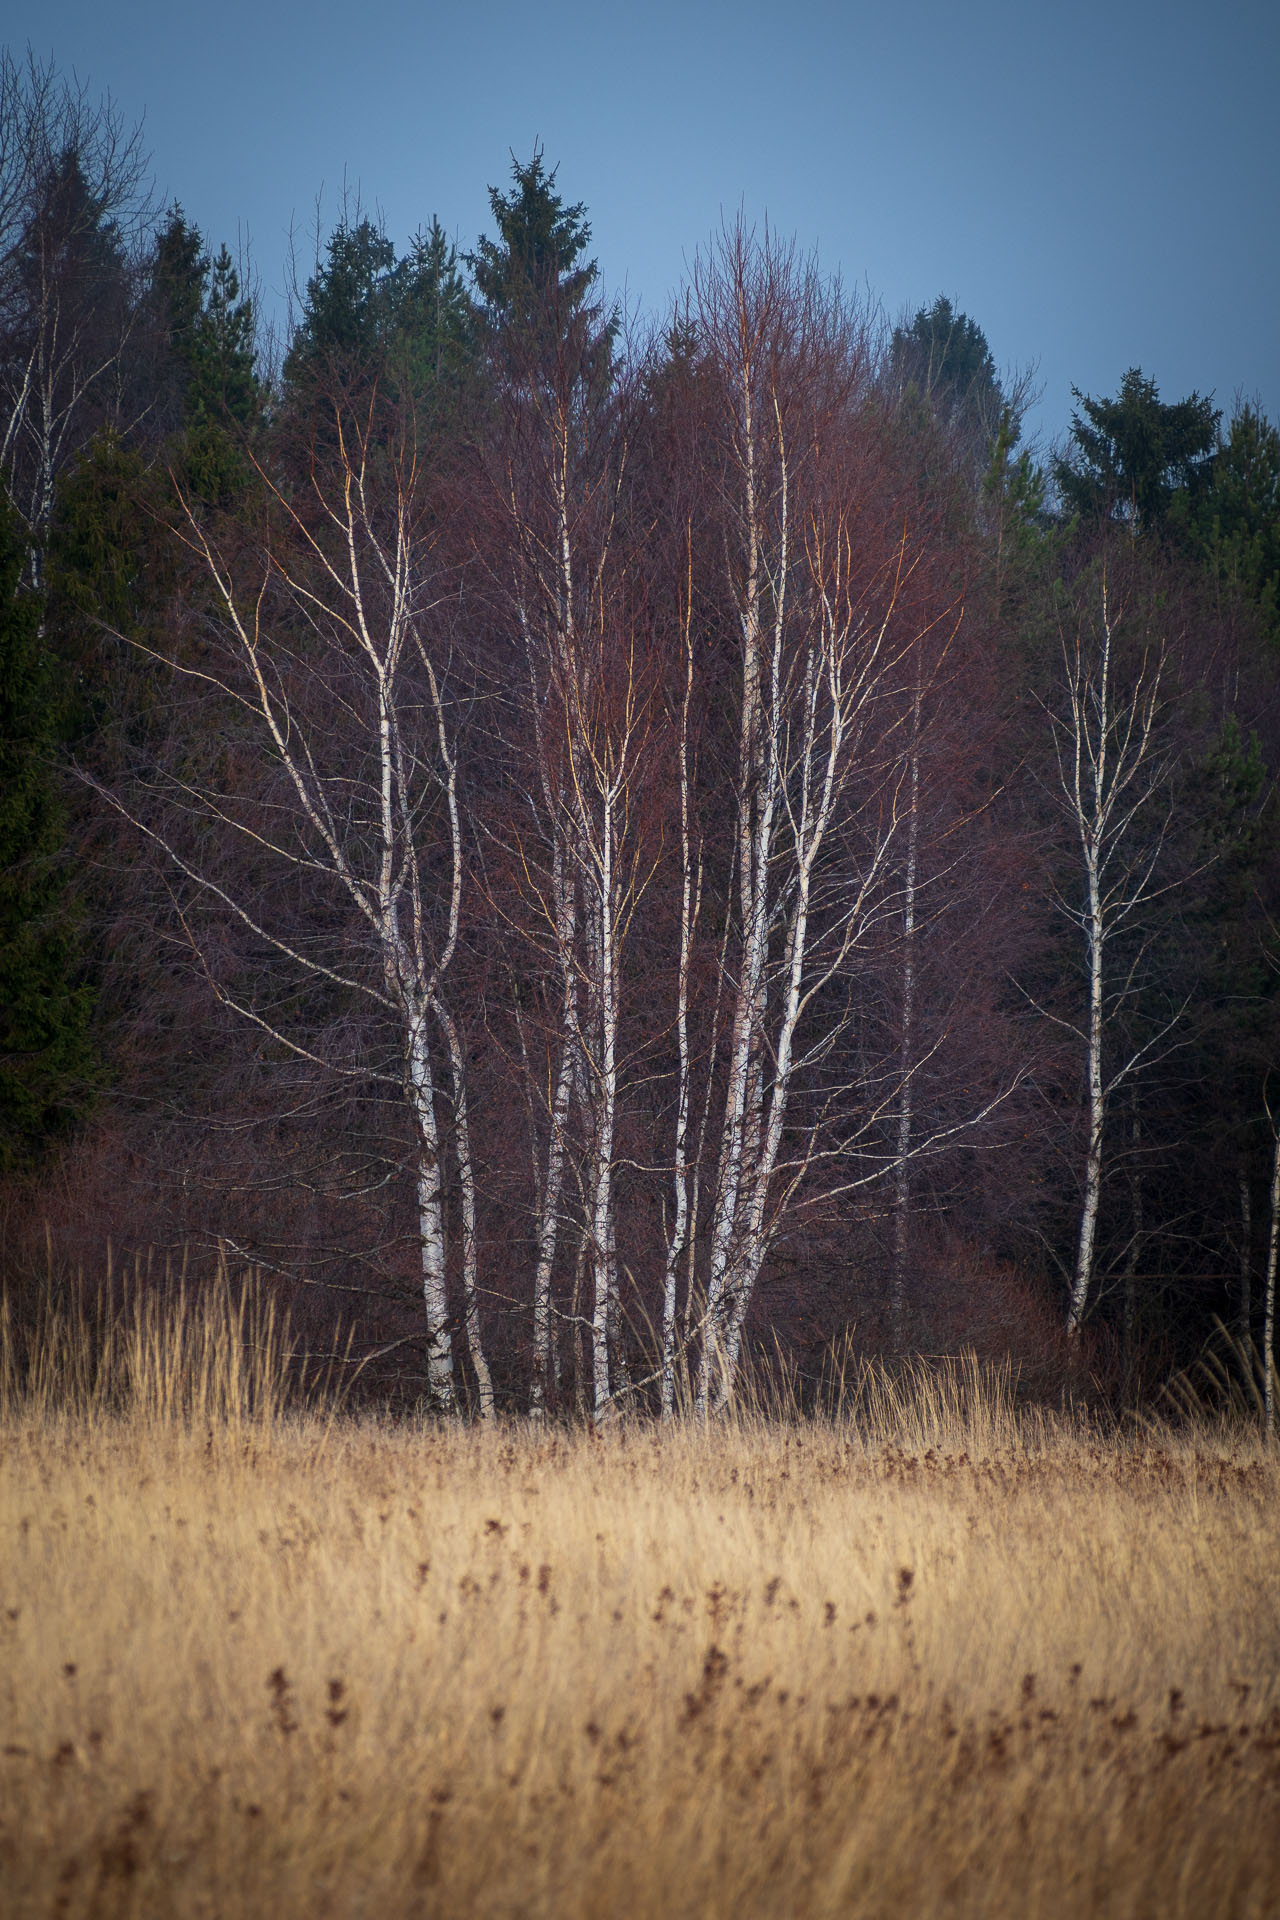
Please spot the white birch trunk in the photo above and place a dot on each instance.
(902, 1169)
(1245, 1320)
(1111, 769)
(812, 672)
(815, 815)
(544, 1346)
(1269, 1304)
(467, 1186)
(603, 1255)
(1082, 1279)
(431, 1227)
(690, 900)
(753, 846)
(358, 800)
(1130, 1308)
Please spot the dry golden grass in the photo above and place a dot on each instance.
(261, 1665)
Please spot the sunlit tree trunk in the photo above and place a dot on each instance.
(431, 1227)
(352, 722)
(467, 1186)
(1245, 1320)
(1095, 933)
(827, 661)
(1269, 1303)
(1113, 773)
(552, 1184)
(680, 1238)
(902, 1165)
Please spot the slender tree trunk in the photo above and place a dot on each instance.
(752, 860)
(1130, 1300)
(1082, 1281)
(742, 1131)
(553, 1185)
(902, 1168)
(1269, 1304)
(548, 1232)
(1245, 1320)
(755, 1235)
(604, 1264)
(690, 899)
(431, 1229)
(576, 1322)
(467, 1184)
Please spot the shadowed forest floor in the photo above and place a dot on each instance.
(973, 1663)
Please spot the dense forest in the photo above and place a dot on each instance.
(602, 857)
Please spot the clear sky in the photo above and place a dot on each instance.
(1097, 184)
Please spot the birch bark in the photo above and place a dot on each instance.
(1269, 1303)
(323, 653)
(1114, 769)
(906, 1074)
(825, 705)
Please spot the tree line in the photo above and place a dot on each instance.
(604, 852)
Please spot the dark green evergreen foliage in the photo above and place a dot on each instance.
(1132, 455)
(1228, 830)
(224, 385)
(1013, 515)
(535, 284)
(72, 235)
(67, 302)
(539, 242)
(1233, 521)
(436, 324)
(208, 331)
(224, 394)
(943, 357)
(1015, 483)
(108, 562)
(350, 306)
(47, 1062)
(179, 275)
(1212, 1129)
(209, 335)
(209, 327)
(409, 324)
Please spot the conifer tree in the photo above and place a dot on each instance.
(46, 1055)
(533, 280)
(1131, 455)
(436, 325)
(1233, 522)
(349, 306)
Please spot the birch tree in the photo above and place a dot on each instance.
(822, 593)
(682, 1235)
(320, 644)
(584, 716)
(73, 202)
(1114, 763)
(1269, 1300)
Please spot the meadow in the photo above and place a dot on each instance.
(932, 1654)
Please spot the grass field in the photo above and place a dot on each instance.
(938, 1659)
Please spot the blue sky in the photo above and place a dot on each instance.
(1096, 184)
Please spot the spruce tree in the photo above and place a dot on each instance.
(1133, 454)
(179, 276)
(946, 355)
(47, 1062)
(436, 326)
(349, 308)
(535, 284)
(1233, 522)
